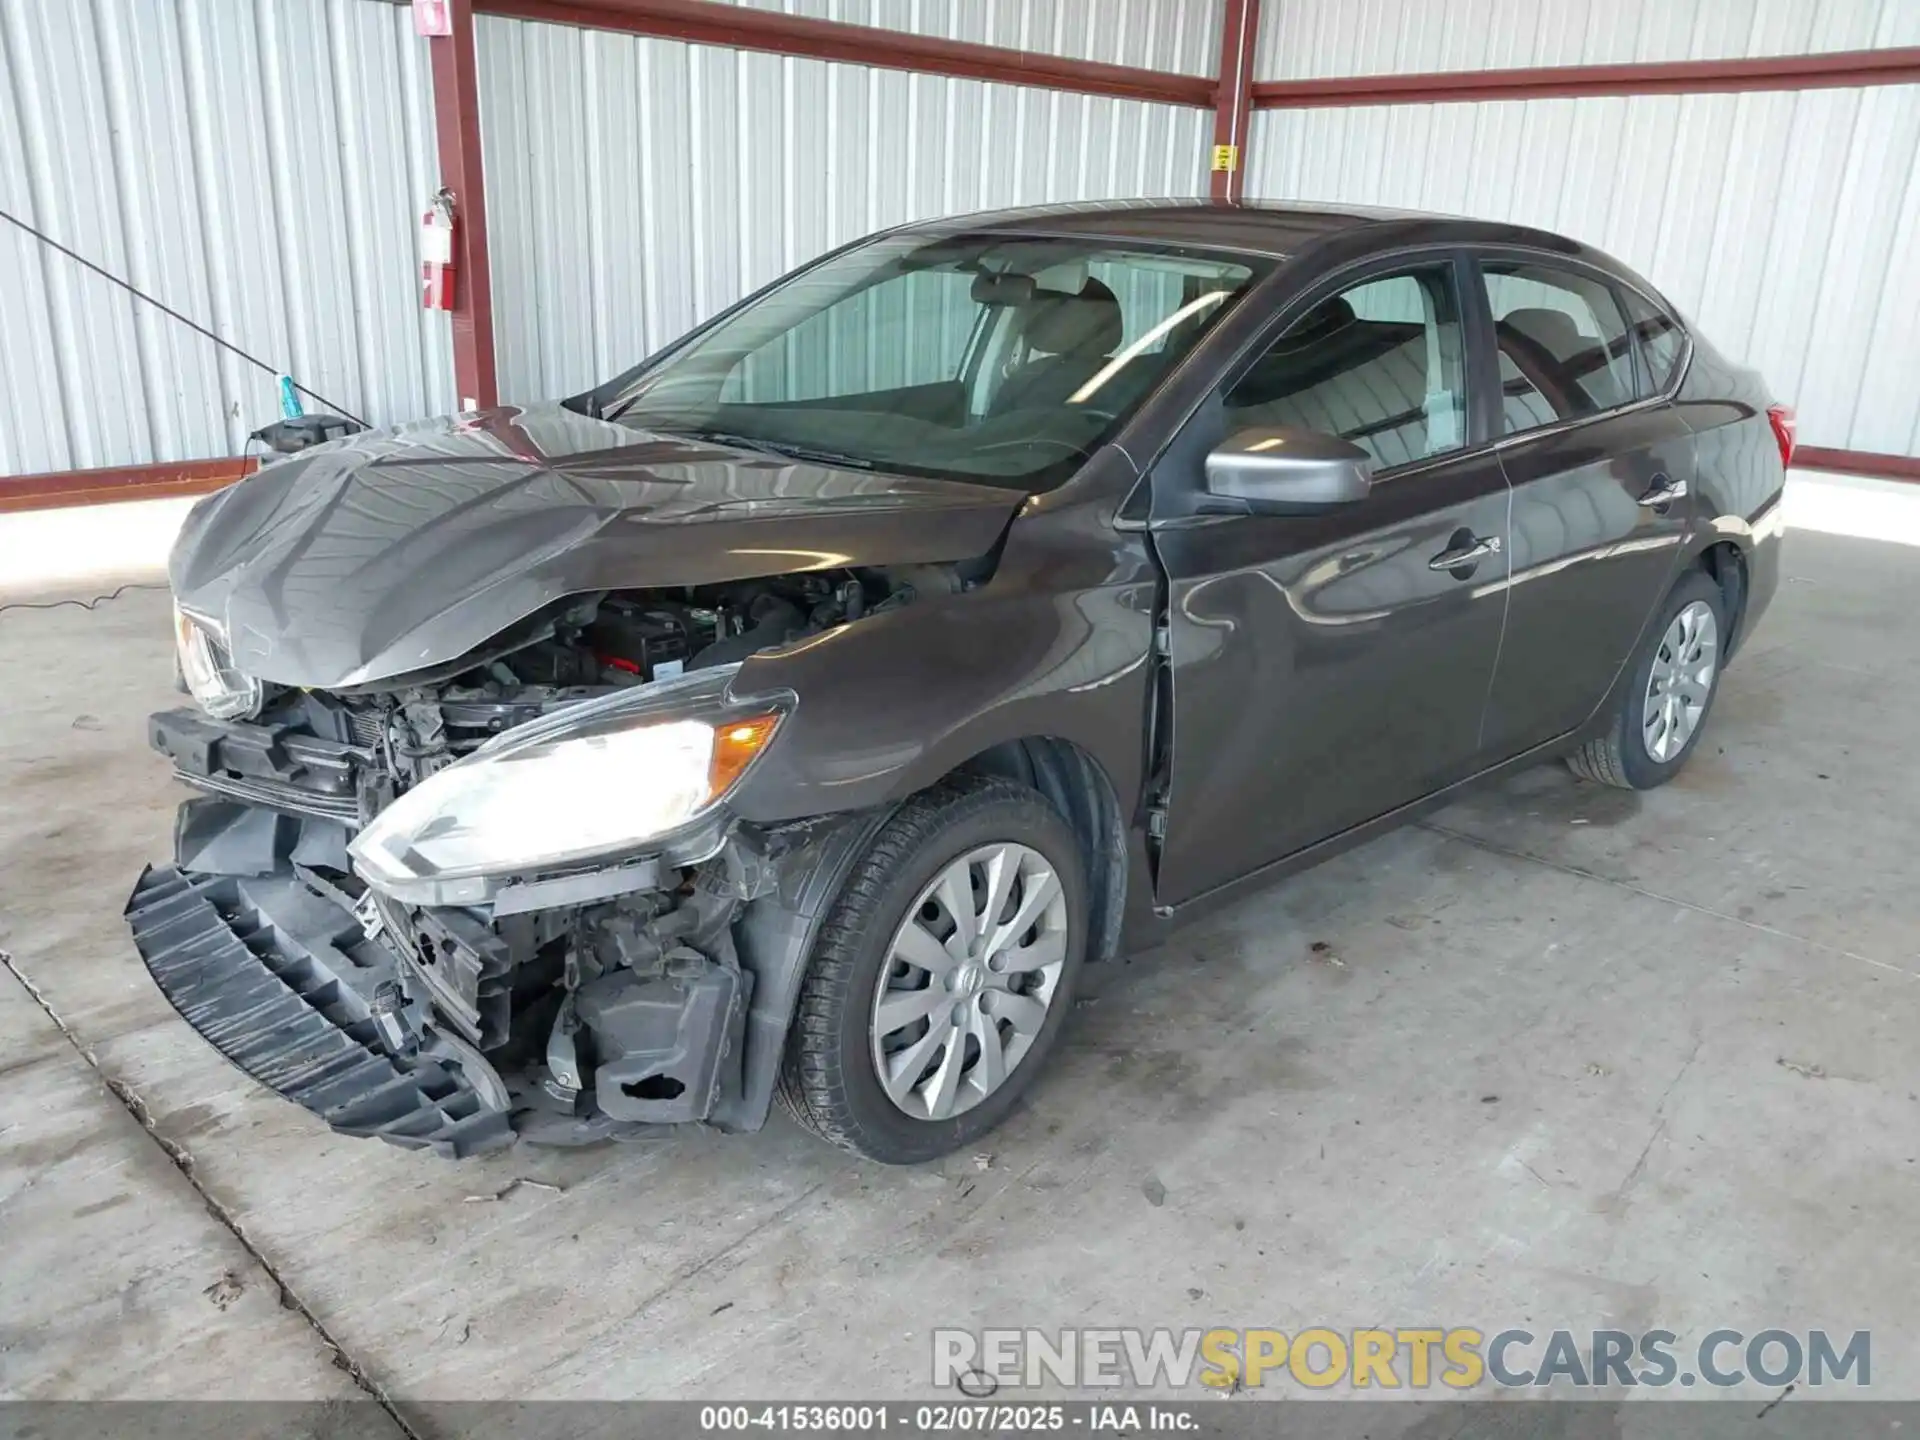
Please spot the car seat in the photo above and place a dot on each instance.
(1075, 335)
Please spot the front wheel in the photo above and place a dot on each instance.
(1663, 706)
(942, 975)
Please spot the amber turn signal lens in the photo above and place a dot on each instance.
(734, 746)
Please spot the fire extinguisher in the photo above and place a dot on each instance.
(436, 253)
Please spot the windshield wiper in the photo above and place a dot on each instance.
(780, 448)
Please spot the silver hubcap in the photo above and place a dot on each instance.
(968, 981)
(1682, 679)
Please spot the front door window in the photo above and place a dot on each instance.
(1381, 365)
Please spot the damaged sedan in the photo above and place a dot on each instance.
(798, 713)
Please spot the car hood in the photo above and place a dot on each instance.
(405, 549)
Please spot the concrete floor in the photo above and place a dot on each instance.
(1571, 1057)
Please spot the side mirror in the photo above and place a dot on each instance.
(1284, 471)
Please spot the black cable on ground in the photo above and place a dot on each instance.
(246, 462)
(94, 604)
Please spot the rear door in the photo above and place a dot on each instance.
(1602, 469)
(1329, 668)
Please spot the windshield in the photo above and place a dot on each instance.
(982, 357)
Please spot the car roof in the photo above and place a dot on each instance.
(1260, 227)
(1274, 229)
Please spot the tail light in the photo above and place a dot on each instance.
(1786, 428)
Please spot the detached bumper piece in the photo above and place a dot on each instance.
(258, 764)
(284, 983)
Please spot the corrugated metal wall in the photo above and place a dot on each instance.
(259, 165)
(636, 186)
(1786, 225)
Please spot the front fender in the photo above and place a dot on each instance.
(1057, 644)
(774, 937)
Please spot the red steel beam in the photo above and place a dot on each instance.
(456, 123)
(741, 27)
(1837, 69)
(1858, 462)
(1233, 98)
(126, 482)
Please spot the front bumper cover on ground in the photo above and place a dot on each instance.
(265, 956)
(283, 982)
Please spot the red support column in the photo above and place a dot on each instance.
(1233, 98)
(456, 120)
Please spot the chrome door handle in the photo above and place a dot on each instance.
(1465, 555)
(1662, 493)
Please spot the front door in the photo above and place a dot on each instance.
(1329, 668)
(1601, 469)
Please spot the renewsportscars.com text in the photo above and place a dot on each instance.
(1410, 1357)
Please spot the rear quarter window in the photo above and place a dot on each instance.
(1660, 338)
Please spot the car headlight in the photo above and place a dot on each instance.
(590, 782)
(219, 689)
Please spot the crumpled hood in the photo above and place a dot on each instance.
(394, 551)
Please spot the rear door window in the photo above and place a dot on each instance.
(1563, 345)
(1660, 338)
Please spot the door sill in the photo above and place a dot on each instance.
(1175, 916)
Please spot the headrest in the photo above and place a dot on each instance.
(1087, 324)
(1552, 330)
(990, 288)
(1334, 314)
(1325, 319)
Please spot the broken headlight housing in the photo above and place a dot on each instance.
(219, 689)
(590, 783)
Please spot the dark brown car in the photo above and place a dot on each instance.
(800, 710)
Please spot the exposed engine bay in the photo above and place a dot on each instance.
(595, 643)
(583, 1003)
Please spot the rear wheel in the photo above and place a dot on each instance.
(942, 976)
(1664, 702)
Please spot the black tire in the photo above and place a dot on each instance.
(1618, 755)
(828, 1081)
